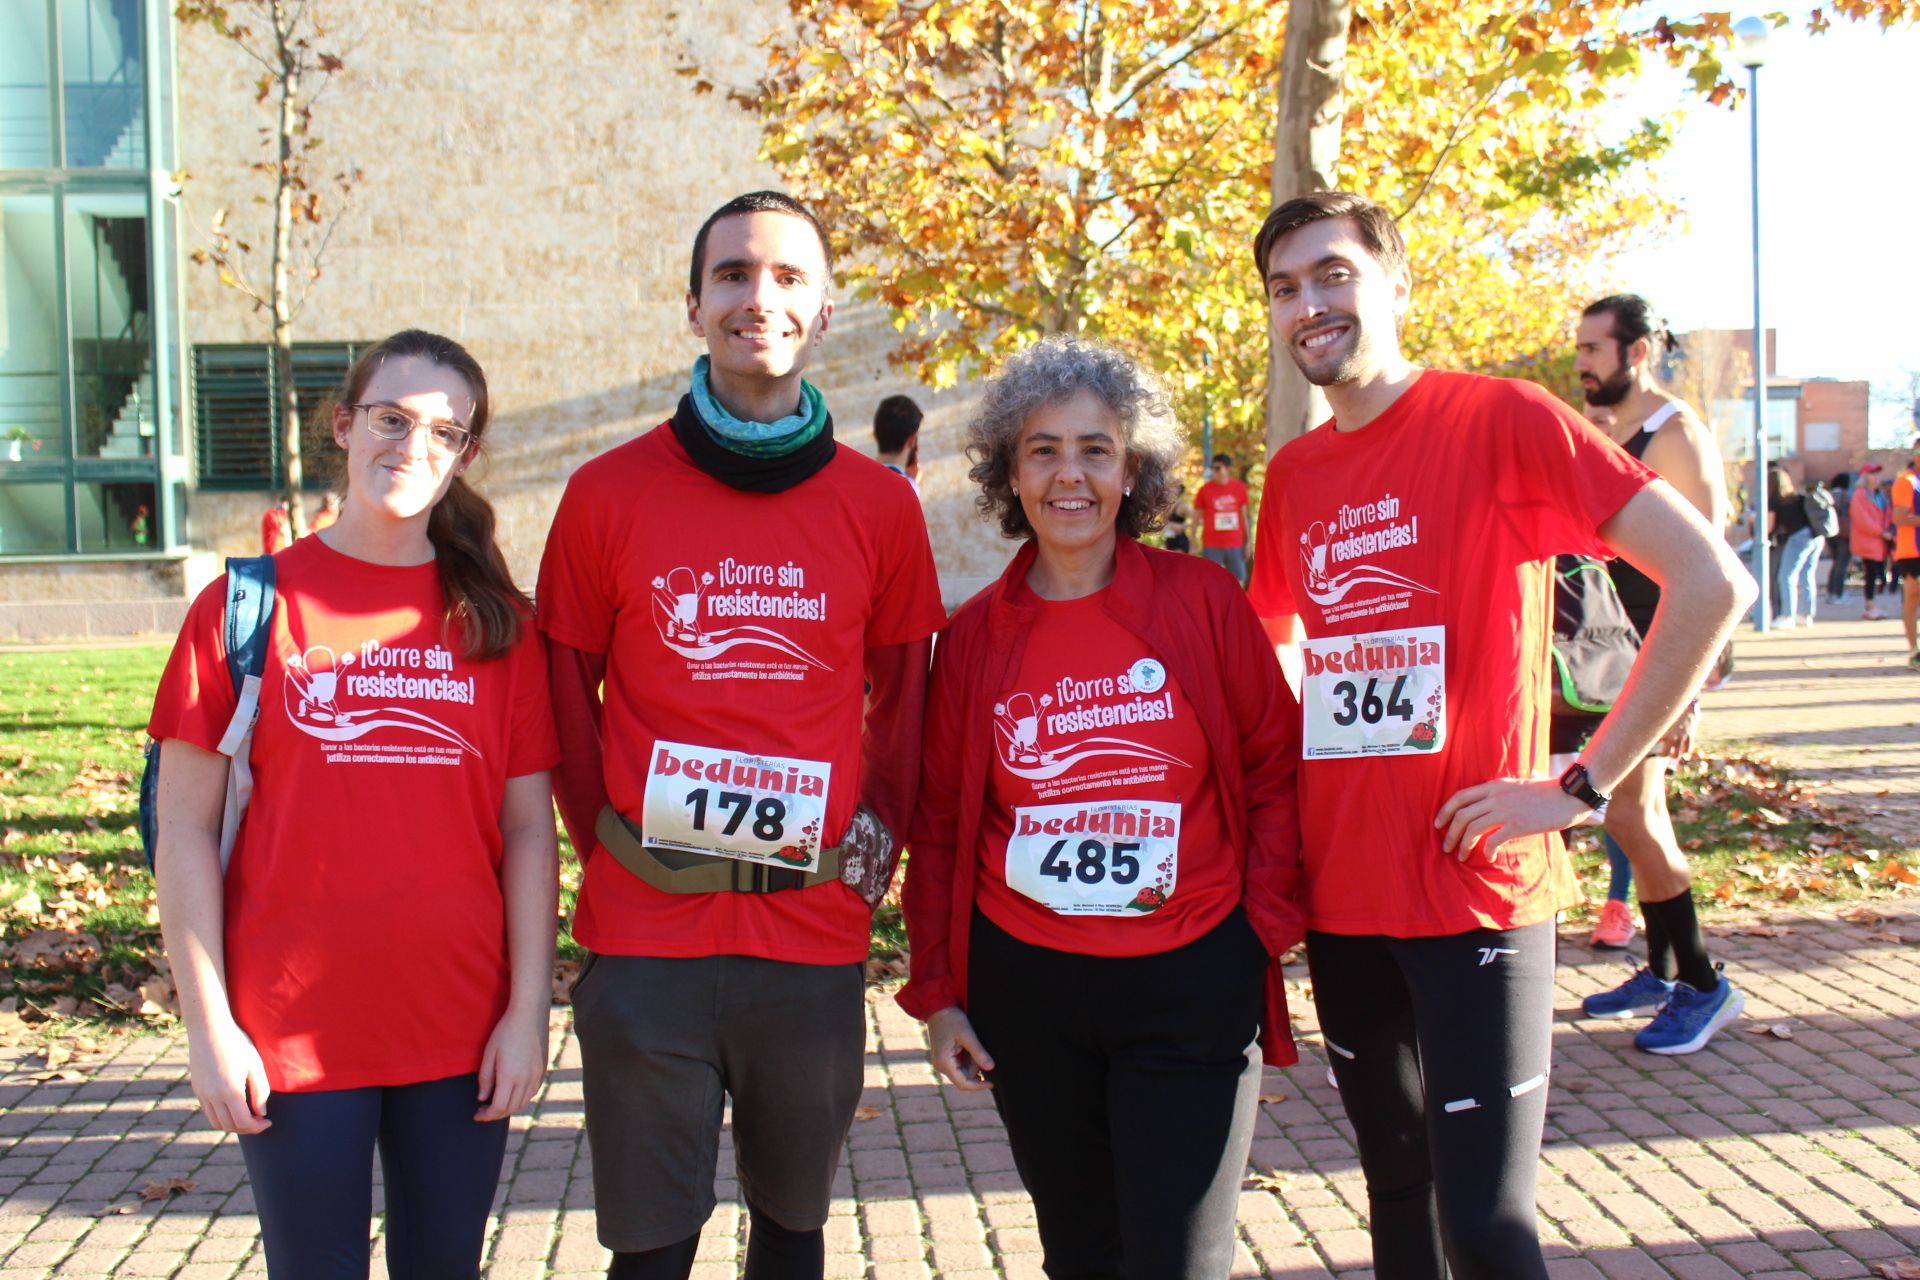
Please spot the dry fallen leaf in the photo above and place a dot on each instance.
(166, 1189)
(1778, 1030)
(1863, 915)
(1268, 1180)
(866, 1113)
(1887, 935)
(1905, 1269)
(112, 1209)
(1276, 1096)
(65, 1075)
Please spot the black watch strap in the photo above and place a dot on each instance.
(1577, 783)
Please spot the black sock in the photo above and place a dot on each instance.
(1659, 950)
(1682, 927)
(775, 1253)
(669, 1262)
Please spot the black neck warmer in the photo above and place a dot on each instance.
(736, 470)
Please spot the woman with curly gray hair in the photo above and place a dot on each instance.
(1106, 847)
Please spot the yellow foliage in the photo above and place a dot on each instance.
(992, 171)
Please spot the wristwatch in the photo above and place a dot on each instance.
(1577, 783)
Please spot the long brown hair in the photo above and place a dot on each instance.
(478, 586)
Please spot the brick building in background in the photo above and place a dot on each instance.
(533, 178)
(1816, 427)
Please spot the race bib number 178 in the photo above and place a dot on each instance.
(731, 804)
(1383, 693)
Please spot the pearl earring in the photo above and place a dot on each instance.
(1127, 492)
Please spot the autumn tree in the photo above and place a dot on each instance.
(284, 38)
(998, 170)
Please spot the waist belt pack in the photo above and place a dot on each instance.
(864, 861)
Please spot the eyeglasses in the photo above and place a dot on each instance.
(391, 422)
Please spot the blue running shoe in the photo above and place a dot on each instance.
(1637, 997)
(1690, 1017)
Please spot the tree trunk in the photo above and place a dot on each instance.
(280, 295)
(1306, 146)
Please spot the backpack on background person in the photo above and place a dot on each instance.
(1823, 519)
(1594, 641)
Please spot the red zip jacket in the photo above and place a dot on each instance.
(1193, 617)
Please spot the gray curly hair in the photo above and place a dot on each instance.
(1055, 369)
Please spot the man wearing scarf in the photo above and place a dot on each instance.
(740, 708)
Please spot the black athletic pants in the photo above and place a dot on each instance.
(1128, 1086)
(312, 1176)
(1441, 1048)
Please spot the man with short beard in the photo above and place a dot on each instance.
(1617, 346)
(739, 705)
(1414, 537)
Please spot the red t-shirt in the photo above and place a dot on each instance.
(1432, 531)
(1106, 815)
(365, 931)
(735, 624)
(276, 531)
(1223, 514)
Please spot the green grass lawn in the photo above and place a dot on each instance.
(80, 938)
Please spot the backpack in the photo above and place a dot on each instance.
(1822, 520)
(249, 623)
(1595, 643)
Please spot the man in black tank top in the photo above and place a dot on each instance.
(1619, 345)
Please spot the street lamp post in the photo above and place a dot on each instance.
(1750, 50)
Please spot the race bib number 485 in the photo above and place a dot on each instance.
(1379, 694)
(730, 804)
(1097, 858)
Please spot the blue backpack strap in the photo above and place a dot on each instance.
(249, 619)
(250, 590)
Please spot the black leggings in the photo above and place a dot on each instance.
(312, 1175)
(1128, 1086)
(1441, 1048)
(1874, 572)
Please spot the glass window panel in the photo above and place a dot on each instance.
(110, 326)
(1732, 422)
(32, 424)
(33, 519)
(103, 83)
(116, 517)
(26, 96)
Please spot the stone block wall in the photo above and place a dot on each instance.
(533, 176)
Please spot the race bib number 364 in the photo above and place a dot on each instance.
(1379, 694)
(731, 804)
(1097, 858)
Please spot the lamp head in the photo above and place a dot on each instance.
(1750, 41)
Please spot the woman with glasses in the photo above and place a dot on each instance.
(1106, 844)
(375, 969)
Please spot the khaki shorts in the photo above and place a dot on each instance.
(665, 1042)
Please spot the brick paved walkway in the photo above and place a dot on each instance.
(1837, 701)
(1767, 1155)
(1763, 1156)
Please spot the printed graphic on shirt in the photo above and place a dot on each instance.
(1096, 858)
(1338, 559)
(733, 804)
(697, 617)
(1045, 738)
(343, 699)
(1379, 694)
